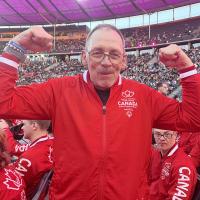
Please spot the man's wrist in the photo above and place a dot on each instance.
(16, 50)
(17, 45)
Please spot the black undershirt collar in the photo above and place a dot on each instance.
(103, 95)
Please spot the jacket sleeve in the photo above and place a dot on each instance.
(25, 102)
(181, 116)
(13, 147)
(182, 183)
(195, 153)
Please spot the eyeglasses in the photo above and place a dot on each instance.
(166, 135)
(98, 56)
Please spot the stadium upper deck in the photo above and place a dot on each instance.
(15, 12)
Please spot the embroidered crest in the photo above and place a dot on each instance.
(165, 170)
(127, 102)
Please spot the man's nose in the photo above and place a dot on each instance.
(106, 60)
(162, 137)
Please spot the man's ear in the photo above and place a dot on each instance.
(84, 58)
(124, 63)
(34, 125)
(177, 136)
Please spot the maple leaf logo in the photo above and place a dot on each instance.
(12, 180)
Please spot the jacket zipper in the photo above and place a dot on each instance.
(102, 169)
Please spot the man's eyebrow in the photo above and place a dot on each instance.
(97, 49)
(157, 132)
(115, 51)
(166, 132)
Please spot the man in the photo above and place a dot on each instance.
(163, 88)
(177, 174)
(36, 160)
(101, 122)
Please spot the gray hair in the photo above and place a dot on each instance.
(105, 26)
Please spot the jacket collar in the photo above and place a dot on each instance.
(86, 78)
(40, 139)
(172, 150)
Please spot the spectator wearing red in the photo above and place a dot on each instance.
(177, 175)
(35, 159)
(12, 185)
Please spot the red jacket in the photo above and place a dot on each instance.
(35, 162)
(177, 176)
(35, 159)
(195, 154)
(188, 141)
(154, 166)
(11, 185)
(101, 151)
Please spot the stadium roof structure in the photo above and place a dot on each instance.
(30, 12)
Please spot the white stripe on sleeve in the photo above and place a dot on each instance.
(9, 62)
(189, 73)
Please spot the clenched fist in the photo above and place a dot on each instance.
(35, 39)
(173, 56)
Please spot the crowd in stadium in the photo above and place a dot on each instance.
(167, 33)
(144, 68)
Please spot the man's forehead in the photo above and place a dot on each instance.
(105, 37)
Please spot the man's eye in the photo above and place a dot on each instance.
(97, 54)
(115, 55)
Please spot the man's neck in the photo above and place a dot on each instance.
(37, 135)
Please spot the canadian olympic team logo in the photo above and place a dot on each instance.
(127, 102)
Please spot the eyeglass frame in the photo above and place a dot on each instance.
(106, 53)
(159, 135)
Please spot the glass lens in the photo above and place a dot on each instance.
(98, 56)
(165, 135)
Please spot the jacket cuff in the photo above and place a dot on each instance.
(189, 71)
(9, 60)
